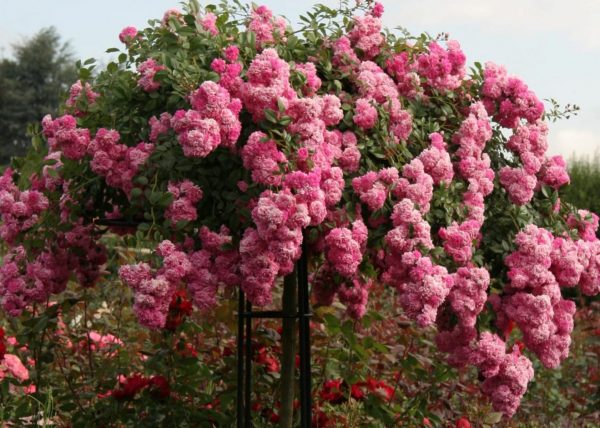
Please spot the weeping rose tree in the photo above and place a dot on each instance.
(222, 140)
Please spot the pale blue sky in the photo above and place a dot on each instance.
(553, 45)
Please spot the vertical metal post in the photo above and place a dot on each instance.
(240, 360)
(304, 314)
(248, 368)
(244, 351)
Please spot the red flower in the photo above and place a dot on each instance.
(271, 363)
(380, 388)
(376, 387)
(463, 423)
(179, 308)
(213, 404)
(129, 387)
(332, 391)
(320, 420)
(356, 391)
(509, 328)
(106, 394)
(159, 387)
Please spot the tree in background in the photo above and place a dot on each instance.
(32, 84)
(585, 182)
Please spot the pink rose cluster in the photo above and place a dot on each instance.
(19, 210)
(505, 375)
(374, 188)
(345, 248)
(375, 87)
(147, 71)
(474, 165)
(436, 160)
(348, 155)
(128, 35)
(415, 184)
(267, 83)
(588, 254)
(442, 69)
(311, 118)
(422, 285)
(372, 191)
(202, 271)
(313, 82)
(529, 143)
(215, 264)
(77, 91)
(24, 282)
(185, 197)
(209, 23)
(159, 126)
(459, 239)
(265, 27)
(229, 70)
(117, 162)
(508, 98)
(262, 157)
(12, 364)
(274, 246)
(63, 135)
(212, 121)
(408, 81)
(533, 299)
(366, 35)
(154, 290)
(51, 178)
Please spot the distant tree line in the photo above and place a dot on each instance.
(584, 190)
(32, 83)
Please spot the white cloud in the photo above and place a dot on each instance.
(7, 39)
(570, 141)
(576, 19)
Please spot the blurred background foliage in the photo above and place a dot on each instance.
(33, 82)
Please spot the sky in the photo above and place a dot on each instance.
(554, 46)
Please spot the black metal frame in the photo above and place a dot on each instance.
(244, 350)
(244, 340)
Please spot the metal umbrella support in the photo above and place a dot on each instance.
(244, 339)
(244, 349)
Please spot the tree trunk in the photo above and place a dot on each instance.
(288, 349)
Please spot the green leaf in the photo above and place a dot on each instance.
(281, 105)
(493, 418)
(270, 115)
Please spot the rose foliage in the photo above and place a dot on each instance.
(223, 140)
